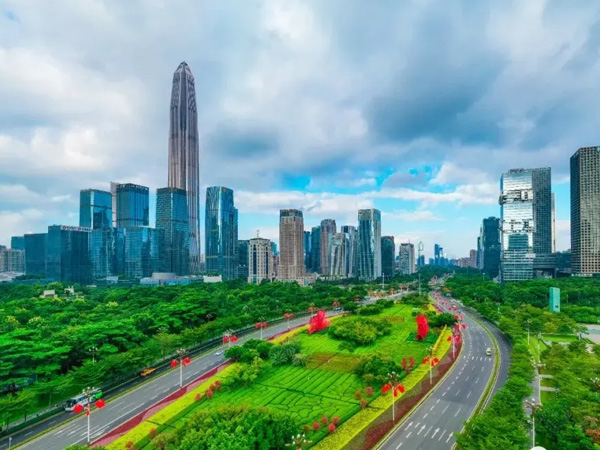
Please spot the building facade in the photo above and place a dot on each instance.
(369, 244)
(315, 250)
(473, 258)
(172, 219)
(406, 256)
(291, 243)
(585, 211)
(35, 254)
(221, 232)
(95, 209)
(12, 260)
(307, 244)
(350, 235)
(142, 251)
(328, 229)
(103, 252)
(337, 255)
(490, 242)
(133, 205)
(68, 254)
(184, 160)
(526, 224)
(17, 242)
(388, 256)
(243, 253)
(260, 261)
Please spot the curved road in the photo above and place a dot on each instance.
(128, 405)
(432, 425)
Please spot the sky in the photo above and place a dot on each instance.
(415, 107)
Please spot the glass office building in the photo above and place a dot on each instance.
(106, 252)
(307, 243)
(95, 209)
(141, 251)
(350, 235)
(369, 244)
(315, 250)
(17, 242)
(407, 259)
(291, 243)
(133, 206)
(243, 253)
(221, 232)
(489, 247)
(68, 254)
(328, 229)
(388, 256)
(337, 255)
(172, 218)
(35, 254)
(526, 223)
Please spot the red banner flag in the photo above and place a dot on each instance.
(186, 361)
(78, 408)
(100, 404)
(174, 363)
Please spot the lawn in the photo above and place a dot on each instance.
(533, 347)
(326, 386)
(560, 337)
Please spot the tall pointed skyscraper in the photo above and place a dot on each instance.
(184, 153)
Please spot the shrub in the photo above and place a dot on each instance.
(218, 384)
(325, 420)
(305, 428)
(316, 426)
(152, 433)
(335, 420)
(363, 404)
(375, 368)
(369, 391)
(198, 397)
(130, 445)
(331, 428)
(359, 331)
(280, 355)
(208, 394)
(299, 360)
(358, 395)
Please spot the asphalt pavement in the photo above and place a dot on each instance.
(123, 408)
(433, 423)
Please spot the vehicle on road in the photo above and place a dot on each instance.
(81, 399)
(219, 353)
(488, 351)
(147, 371)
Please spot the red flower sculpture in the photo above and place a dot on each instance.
(422, 327)
(233, 339)
(318, 322)
(385, 388)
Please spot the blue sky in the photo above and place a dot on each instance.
(415, 108)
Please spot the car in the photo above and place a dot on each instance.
(219, 353)
(147, 371)
(488, 351)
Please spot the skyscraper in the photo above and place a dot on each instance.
(328, 229)
(369, 244)
(67, 254)
(407, 258)
(221, 232)
(473, 258)
(337, 255)
(315, 250)
(17, 242)
(35, 254)
(95, 209)
(133, 206)
(490, 247)
(243, 255)
(526, 224)
(585, 211)
(12, 260)
(388, 256)
(260, 261)
(172, 218)
(291, 242)
(307, 243)
(142, 248)
(184, 162)
(351, 249)
(104, 246)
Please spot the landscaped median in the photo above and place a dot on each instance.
(329, 382)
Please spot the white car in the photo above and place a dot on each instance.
(219, 353)
(488, 351)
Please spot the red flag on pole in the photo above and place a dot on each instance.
(78, 408)
(186, 361)
(100, 404)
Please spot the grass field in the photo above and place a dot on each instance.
(326, 386)
(560, 337)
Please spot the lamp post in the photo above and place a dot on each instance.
(288, 316)
(88, 393)
(298, 441)
(393, 379)
(93, 351)
(430, 351)
(183, 361)
(533, 407)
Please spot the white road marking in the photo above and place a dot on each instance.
(422, 428)
(445, 409)
(425, 435)
(434, 433)
(449, 436)
(469, 394)
(399, 445)
(457, 411)
(458, 392)
(408, 435)
(442, 435)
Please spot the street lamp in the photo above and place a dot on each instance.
(183, 361)
(393, 379)
(298, 441)
(533, 407)
(88, 393)
(261, 325)
(288, 316)
(430, 351)
(93, 351)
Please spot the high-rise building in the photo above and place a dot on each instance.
(473, 258)
(221, 232)
(274, 248)
(328, 229)
(369, 244)
(184, 160)
(68, 254)
(526, 224)
(337, 255)
(12, 260)
(113, 193)
(35, 254)
(407, 258)
(351, 249)
(243, 255)
(105, 244)
(17, 242)
(490, 243)
(260, 261)
(133, 206)
(142, 247)
(388, 256)
(172, 218)
(291, 242)
(307, 243)
(315, 250)
(421, 261)
(95, 209)
(553, 249)
(585, 211)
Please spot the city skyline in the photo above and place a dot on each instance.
(54, 143)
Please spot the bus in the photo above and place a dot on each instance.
(81, 399)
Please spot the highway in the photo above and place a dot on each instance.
(433, 423)
(124, 407)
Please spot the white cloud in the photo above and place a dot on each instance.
(413, 216)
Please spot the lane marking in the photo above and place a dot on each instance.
(442, 435)
(445, 408)
(469, 394)
(457, 411)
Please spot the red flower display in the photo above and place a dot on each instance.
(78, 408)
(209, 394)
(335, 420)
(318, 322)
(331, 428)
(457, 338)
(259, 325)
(435, 361)
(316, 426)
(325, 420)
(422, 327)
(100, 404)
(426, 360)
(401, 388)
(198, 397)
(464, 325)
(174, 363)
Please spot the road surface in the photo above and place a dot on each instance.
(432, 425)
(128, 405)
